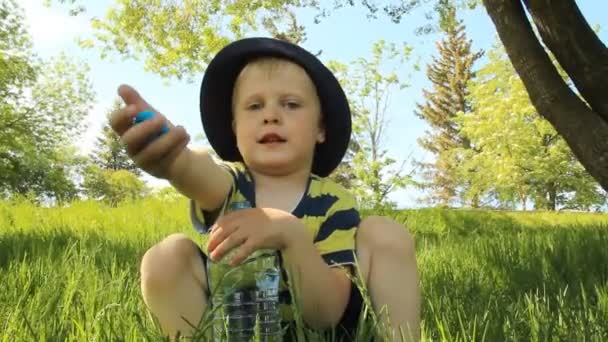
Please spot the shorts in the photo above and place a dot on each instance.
(347, 328)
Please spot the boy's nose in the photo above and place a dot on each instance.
(271, 120)
(271, 115)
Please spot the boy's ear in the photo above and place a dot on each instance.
(321, 134)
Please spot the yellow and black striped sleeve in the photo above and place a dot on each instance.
(335, 238)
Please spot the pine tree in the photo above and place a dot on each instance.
(449, 74)
(109, 153)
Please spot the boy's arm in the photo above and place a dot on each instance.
(197, 176)
(193, 173)
(322, 292)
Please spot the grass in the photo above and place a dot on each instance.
(72, 273)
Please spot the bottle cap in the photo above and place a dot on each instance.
(148, 114)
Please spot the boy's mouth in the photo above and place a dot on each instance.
(270, 138)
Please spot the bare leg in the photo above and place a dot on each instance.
(173, 284)
(386, 255)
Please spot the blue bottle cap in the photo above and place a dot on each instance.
(147, 114)
(143, 116)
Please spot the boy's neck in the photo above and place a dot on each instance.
(281, 192)
(289, 182)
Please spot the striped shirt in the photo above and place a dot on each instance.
(327, 209)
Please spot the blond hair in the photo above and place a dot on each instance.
(268, 64)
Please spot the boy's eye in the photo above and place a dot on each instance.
(292, 104)
(254, 106)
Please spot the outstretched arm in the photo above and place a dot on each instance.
(193, 173)
(198, 177)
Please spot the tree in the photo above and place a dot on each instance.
(16, 63)
(449, 74)
(374, 174)
(46, 102)
(40, 127)
(17, 71)
(109, 153)
(518, 155)
(293, 33)
(168, 194)
(112, 186)
(179, 38)
(567, 35)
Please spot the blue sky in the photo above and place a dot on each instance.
(345, 35)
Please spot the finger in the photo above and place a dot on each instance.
(224, 226)
(170, 125)
(170, 157)
(230, 242)
(131, 97)
(138, 136)
(243, 252)
(121, 120)
(163, 149)
(233, 217)
(218, 233)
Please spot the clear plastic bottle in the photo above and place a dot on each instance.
(244, 299)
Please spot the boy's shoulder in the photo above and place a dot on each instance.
(233, 167)
(325, 186)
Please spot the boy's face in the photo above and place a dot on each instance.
(277, 117)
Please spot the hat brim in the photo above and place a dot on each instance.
(216, 94)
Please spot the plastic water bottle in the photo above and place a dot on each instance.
(244, 298)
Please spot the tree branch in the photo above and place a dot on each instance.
(576, 47)
(584, 131)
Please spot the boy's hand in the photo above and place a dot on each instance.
(158, 156)
(252, 229)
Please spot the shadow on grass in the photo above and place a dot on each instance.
(109, 285)
(548, 258)
(436, 226)
(17, 246)
(499, 284)
(63, 285)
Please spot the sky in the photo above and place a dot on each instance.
(343, 36)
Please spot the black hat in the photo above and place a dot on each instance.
(216, 95)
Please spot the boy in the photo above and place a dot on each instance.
(280, 122)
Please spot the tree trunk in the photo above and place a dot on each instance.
(475, 201)
(552, 197)
(583, 129)
(576, 47)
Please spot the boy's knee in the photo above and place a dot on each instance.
(382, 233)
(165, 262)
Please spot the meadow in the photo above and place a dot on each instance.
(71, 273)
